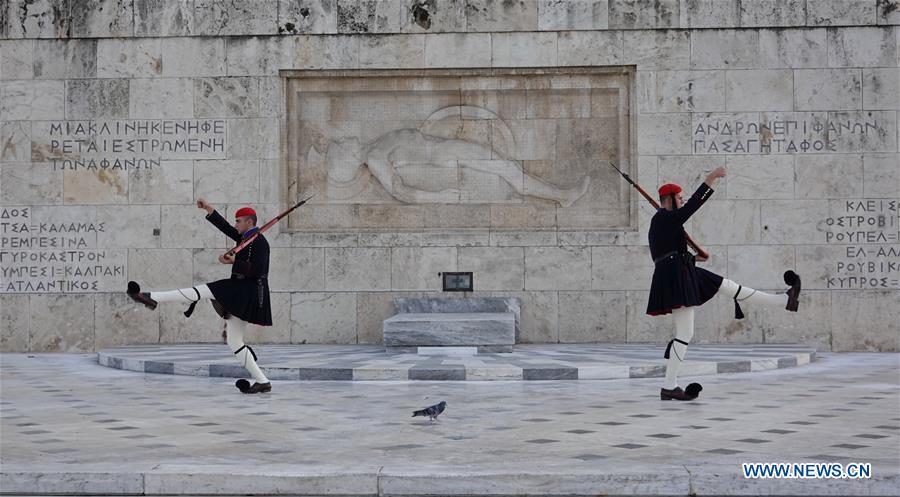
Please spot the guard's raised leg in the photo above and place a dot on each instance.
(742, 294)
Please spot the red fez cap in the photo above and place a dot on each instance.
(669, 189)
(244, 211)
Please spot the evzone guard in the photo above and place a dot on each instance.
(241, 299)
(679, 285)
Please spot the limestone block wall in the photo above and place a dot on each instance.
(115, 115)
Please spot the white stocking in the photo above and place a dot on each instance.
(684, 331)
(751, 296)
(235, 331)
(188, 295)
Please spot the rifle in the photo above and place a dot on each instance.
(702, 254)
(266, 226)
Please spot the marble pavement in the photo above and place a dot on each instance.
(70, 426)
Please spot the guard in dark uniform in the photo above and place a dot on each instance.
(241, 299)
(679, 285)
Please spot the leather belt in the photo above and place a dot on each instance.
(687, 257)
(665, 256)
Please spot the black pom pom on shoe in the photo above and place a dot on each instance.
(134, 291)
(693, 390)
(243, 385)
(790, 278)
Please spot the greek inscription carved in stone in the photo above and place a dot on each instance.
(868, 231)
(737, 136)
(54, 257)
(125, 145)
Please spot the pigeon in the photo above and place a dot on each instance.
(432, 411)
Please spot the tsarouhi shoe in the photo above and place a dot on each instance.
(245, 387)
(260, 387)
(134, 291)
(678, 394)
(793, 279)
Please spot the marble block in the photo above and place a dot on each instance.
(454, 329)
(465, 305)
(163, 18)
(441, 351)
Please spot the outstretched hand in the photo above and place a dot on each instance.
(716, 173)
(203, 204)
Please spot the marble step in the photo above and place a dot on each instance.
(450, 329)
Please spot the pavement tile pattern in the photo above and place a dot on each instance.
(526, 362)
(66, 413)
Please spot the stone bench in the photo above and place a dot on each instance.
(488, 324)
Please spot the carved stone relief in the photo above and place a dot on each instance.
(413, 143)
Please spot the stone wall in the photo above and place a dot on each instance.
(115, 115)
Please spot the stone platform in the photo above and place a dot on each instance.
(488, 323)
(480, 329)
(526, 362)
